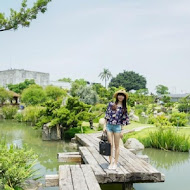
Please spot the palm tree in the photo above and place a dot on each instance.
(105, 75)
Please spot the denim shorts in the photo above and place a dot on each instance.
(113, 128)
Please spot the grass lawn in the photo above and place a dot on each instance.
(143, 135)
(140, 134)
(86, 124)
(144, 132)
(184, 131)
(133, 125)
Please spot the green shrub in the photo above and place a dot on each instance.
(188, 118)
(179, 119)
(31, 114)
(143, 120)
(99, 107)
(9, 111)
(184, 108)
(167, 139)
(70, 133)
(160, 120)
(184, 104)
(33, 95)
(100, 127)
(19, 117)
(97, 118)
(140, 108)
(54, 92)
(151, 119)
(16, 166)
(150, 108)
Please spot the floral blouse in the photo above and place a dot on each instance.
(116, 117)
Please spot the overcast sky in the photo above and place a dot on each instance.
(78, 38)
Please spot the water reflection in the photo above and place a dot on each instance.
(166, 159)
(21, 133)
(175, 165)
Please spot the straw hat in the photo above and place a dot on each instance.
(122, 92)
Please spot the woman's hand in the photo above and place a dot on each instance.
(104, 128)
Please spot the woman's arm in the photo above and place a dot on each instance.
(125, 119)
(104, 128)
(106, 116)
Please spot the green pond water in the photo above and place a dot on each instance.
(175, 165)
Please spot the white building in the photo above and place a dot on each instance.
(15, 76)
(61, 84)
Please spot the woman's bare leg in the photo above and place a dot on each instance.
(110, 140)
(116, 142)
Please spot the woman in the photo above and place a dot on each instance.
(116, 117)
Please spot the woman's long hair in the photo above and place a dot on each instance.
(124, 106)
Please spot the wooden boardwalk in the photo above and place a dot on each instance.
(131, 169)
(73, 177)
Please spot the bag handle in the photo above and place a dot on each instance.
(104, 136)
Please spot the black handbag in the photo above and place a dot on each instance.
(104, 145)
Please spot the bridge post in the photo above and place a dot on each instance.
(127, 186)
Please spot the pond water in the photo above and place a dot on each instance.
(175, 165)
(21, 133)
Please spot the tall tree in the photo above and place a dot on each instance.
(4, 95)
(129, 80)
(161, 89)
(66, 80)
(76, 85)
(54, 92)
(23, 17)
(33, 95)
(87, 95)
(105, 75)
(18, 88)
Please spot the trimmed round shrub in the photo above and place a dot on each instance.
(179, 119)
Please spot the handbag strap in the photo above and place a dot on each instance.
(104, 136)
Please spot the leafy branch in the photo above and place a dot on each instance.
(23, 17)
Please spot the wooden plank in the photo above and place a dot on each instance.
(70, 153)
(127, 171)
(89, 159)
(127, 165)
(62, 157)
(121, 171)
(141, 173)
(153, 173)
(113, 175)
(144, 164)
(137, 169)
(65, 179)
(79, 182)
(90, 178)
(144, 157)
(82, 140)
(96, 143)
(51, 180)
